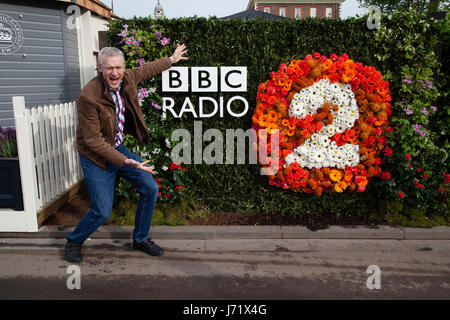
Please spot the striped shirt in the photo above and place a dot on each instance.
(120, 115)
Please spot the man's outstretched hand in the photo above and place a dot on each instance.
(178, 54)
(139, 165)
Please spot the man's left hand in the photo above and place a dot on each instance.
(139, 165)
(178, 54)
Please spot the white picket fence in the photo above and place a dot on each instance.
(49, 162)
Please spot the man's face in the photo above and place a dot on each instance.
(112, 70)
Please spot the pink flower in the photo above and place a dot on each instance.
(333, 56)
(157, 106)
(165, 41)
(316, 55)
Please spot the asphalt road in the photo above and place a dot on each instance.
(228, 269)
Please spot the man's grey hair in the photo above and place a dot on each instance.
(109, 52)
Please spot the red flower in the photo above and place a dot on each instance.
(323, 59)
(387, 152)
(407, 157)
(179, 187)
(378, 161)
(418, 185)
(262, 87)
(381, 140)
(174, 166)
(425, 176)
(446, 178)
(385, 175)
(418, 170)
(333, 56)
(316, 55)
(372, 120)
(390, 129)
(377, 131)
(401, 194)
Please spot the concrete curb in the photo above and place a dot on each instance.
(249, 232)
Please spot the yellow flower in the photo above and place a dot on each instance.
(335, 175)
(343, 185)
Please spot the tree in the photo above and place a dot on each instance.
(390, 6)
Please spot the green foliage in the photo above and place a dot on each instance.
(417, 108)
(402, 48)
(391, 6)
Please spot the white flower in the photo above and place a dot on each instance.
(167, 143)
(164, 168)
(319, 155)
(156, 151)
(319, 151)
(290, 158)
(324, 141)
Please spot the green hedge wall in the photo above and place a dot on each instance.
(262, 45)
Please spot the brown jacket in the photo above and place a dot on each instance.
(97, 127)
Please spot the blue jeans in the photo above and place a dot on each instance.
(100, 184)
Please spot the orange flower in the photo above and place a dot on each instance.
(372, 96)
(262, 122)
(272, 115)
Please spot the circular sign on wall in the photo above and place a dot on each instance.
(11, 35)
(332, 115)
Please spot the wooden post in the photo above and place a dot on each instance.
(26, 163)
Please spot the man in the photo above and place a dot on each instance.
(108, 108)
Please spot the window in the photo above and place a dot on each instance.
(283, 11)
(267, 9)
(298, 13)
(329, 12)
(313, 12)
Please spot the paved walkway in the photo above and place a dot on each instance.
(232, 262)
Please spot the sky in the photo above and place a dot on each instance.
(202, 8)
